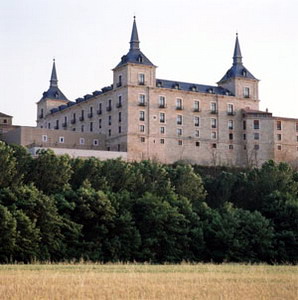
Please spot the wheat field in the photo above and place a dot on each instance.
(136, 281)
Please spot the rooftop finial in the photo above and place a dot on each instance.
(237, 58)
(134, 40)
(54, 80)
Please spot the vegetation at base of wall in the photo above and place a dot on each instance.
(55, 208)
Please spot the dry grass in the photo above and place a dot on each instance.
(116, 281)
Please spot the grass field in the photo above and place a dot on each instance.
(134, 281)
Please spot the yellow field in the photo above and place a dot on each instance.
(133, 281)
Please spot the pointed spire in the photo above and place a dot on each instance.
(237, 58)
(134, 40)
(54, 80)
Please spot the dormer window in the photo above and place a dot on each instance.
(176, 86)
(159, 84)
(210, 91)
(56, 95)
(244, 73)
(140, 58)
(193, 88)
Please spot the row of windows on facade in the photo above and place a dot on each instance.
(61, 140)
(198, 144)
(179, 104)
(256, 125)
(141, 81)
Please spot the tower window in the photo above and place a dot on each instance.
(141, 79)
(256, 124)
(246, 92)
(278, 125)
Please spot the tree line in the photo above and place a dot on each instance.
(57, 208)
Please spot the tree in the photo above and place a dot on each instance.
(8, 171)
(50, 173)
(7, 235)
(187, 183)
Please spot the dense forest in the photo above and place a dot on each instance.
(56, 208)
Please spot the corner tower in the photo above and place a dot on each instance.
(134, 68)
(52, 98)
(238, 79)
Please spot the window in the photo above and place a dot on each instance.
(213, 107)
(231, 136)
(162, 101)
(110, 120)
(141, 79)
(99, 123)
(246, 92)
(142, 139)
(213, 123)
(244, 136)
(196, 105)
(230, 109)
(162, 130)
(297, 126)
(82, 128)
(119, 81)
(119, 129)
(142, 128)
(118, 147)
(197, 121)
(90, 115)
(179, 119)
(256, 124)
(179, 103)
(99, 111)
(49, 125)
(278, 137)
(44, 138)
(109, 108)
(110, 132)
(119, 116)
(278, 125)
(197, 144)
(180, 143)
(162, 117)
(256, 136)
(73, 121)
(142, 99)
(231, 124)
(57, 124)
(214, 146)
(279, 147)
(82, 115)
(119, 104)
(91, 126)
(95, 142)
(297, 138)
(142, 115)
(162, 141)
(82, 141)
(256, 147)
(197, 133)
(213, 135)
(179, 131)
(244, 125)
(41, 115)
(231, 147)
(61, 139)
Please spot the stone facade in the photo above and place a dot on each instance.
(168, 121)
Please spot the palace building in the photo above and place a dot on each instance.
(165, 120)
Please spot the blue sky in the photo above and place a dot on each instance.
(188, 40)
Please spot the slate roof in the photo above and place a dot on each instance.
(238, 69)
(200, 88)
(2, 115)
(54, 92)
(134, 54)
